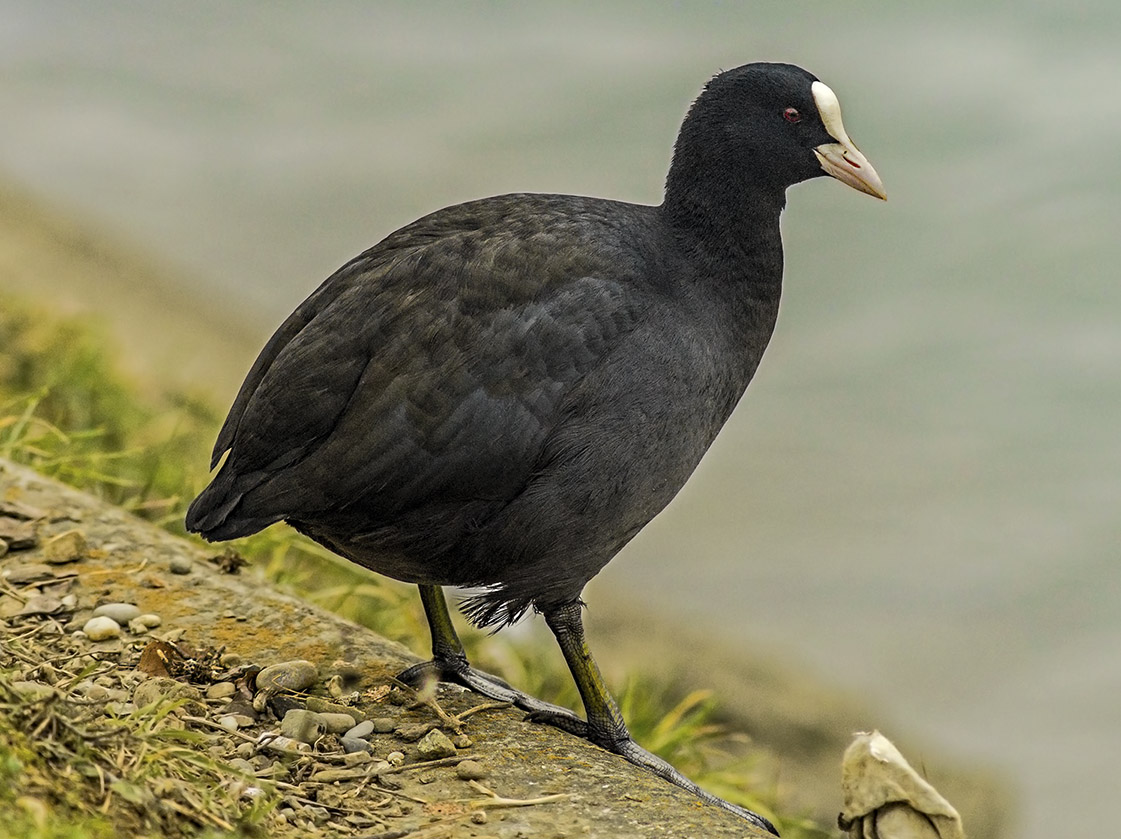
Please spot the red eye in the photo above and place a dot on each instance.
(791, 115)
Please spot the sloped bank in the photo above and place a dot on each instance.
(535, 781)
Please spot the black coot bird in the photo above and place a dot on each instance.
(501, 394)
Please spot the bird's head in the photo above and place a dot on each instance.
(773, 125)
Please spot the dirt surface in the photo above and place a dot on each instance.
(216, 627)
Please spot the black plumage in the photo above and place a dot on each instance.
(504, 392)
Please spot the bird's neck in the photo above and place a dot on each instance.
(729, 235)
(727, 225)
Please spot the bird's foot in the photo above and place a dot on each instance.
(565, 720)
(637, 755)
(627, 748)
(456, 670)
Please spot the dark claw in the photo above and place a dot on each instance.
(637, 755)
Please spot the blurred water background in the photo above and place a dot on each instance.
(920, 496)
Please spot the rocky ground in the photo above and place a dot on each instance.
(155, 687)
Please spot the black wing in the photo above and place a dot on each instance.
(427, 370)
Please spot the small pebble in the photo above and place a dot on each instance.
(395, 758)
(288, 675)
(354, 745)
(305, 726)
(279, 703)
(361, 730)
(97, 693)
(412, 733)
(479, 817)
(179, 565)
(383, 725)
(245, 750)
(33, 690)
(122, 613)
(69, 601)
(269, 742)
(357, 757)
(335, 686)
(220, 690)
(161, 688)
(101, 628)
(434, 745)
(260, 762)
(228, 722)
(326, 706)
(462, 741)
(40, 604)
(470, 770)
(29, 573)
(336, 723)
(65, 547)
(241, 764)
(148, 621)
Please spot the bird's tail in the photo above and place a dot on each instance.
(214, 514)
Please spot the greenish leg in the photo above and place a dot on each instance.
(605, 726)
(449, 662)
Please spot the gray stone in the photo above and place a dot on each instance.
(288, 675)
(361, 730)
(384, 725)
(28, 573)
(354, 745)
(220, 690)
(122, 613)
(40, 604)
(33, 691)
(336, 723)
(65, 547)
(325, 706)
(179, 565)
(228, 722)
(241, 765)
(414, 731)
(434, 745)
(305, 726)
(162, 688)
(471, 770)
(101, 628)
